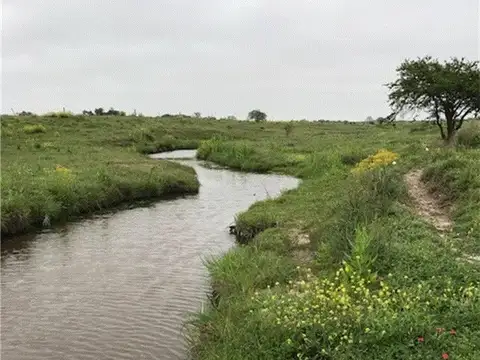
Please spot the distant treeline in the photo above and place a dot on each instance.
(113, 112)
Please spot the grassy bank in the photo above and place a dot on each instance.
(344, 267)
(57, 168)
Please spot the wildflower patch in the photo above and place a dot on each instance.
(382, 158)
(353, 312)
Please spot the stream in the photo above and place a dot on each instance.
(121, 285)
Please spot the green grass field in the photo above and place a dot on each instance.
(344, 267)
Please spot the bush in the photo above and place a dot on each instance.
(381, 158)
(34, 129)
(60, 114)
(370, 196)
(469, 135)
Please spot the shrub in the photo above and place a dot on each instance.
(351, 159)
(380, 159)
(34, 129)
(60, 114)
(469, 135)
(288, 128)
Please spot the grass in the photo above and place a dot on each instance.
(374, 281)
(340, 268)
(104, 162)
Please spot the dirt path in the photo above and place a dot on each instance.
(427, 205)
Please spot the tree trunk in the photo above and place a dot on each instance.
(450, 130)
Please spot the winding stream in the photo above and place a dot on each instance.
(119, 286)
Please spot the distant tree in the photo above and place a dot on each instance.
(231, 117)
(388, 119)
(99, 111)
(448, 91)
(197, 115)
(25, 113)
(112, 112)
(369, 119)
(257, 115)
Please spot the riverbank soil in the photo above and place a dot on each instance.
(365, 260)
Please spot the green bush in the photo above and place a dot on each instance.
(370, 195)
(469, 135)
(352, 159)
(34, 129)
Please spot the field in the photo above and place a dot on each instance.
(373, 259)
(57, 168)
(354, 264)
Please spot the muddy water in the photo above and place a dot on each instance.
(119, 286)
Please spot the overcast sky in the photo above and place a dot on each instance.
(317, 59)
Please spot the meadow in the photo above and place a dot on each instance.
(60, 166)
(55, 169)
(344, 267)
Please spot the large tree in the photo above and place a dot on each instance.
(257, 115)
(448, 91)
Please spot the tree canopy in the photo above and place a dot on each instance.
(257, 115)
(448, 91)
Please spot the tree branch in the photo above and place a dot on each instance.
(461, 117)
(467, 111)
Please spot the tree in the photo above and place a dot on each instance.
(197, 115)
(99, 111)
(448, 91)
(257, 115)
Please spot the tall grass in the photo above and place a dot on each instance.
(455, 176)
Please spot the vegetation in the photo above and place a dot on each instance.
(448, 92)
(257, 115)
(55, 167)
(343, 267)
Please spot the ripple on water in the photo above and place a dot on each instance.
(120, 286)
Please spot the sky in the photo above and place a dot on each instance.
(302, 59)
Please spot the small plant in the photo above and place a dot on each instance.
(34, 129)
(288, 128)
(351, 159)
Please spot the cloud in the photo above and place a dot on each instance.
(302, 59)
